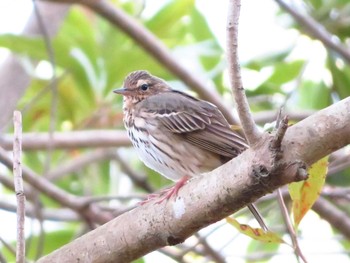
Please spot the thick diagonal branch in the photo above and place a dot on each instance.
(207, 199)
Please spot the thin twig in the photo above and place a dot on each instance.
(18, 183)
(281, 128)
(289, 225)
(64, 198)
(316, 30)
(251, 131)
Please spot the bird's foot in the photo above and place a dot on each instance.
(166, 194)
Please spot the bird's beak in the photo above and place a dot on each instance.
(122, 91)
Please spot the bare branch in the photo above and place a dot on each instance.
(337, 218)
(69, 140)
(18, 182)
(62, 214)
(78, 204)
(250, 129)
(263, 117)
(232, 186)
(317, 31)
(155, 48)
(290, 228)
(75, 164)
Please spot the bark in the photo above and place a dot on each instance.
(207, 199)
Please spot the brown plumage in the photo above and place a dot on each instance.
(174, 133)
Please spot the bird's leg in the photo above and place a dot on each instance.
(172, 191)
(166, 194)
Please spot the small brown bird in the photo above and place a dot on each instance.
(174, 133)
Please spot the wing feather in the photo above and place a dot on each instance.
(199, 122)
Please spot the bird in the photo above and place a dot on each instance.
(176, 134)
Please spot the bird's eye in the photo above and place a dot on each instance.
(144, 87)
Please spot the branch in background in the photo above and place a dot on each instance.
(69, 140)
(138, 179)
(19, 189)
(155, 48)
(337, 218)
(151, 226)
(251, 131)
(316, 30)
(263, 117)
(78, 204)
(340, 165)
(60, 215)
(289, 225)
(77, 163)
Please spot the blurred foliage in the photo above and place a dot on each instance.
(93, 58)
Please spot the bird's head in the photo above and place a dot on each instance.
(139, 85)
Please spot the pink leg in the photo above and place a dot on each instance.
(172, 191)
(168, 193)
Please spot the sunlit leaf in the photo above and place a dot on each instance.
(305, 193)
(285, 72)
(168, 21)
(255, 233)
(312, 95)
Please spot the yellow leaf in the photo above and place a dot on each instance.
(305, 193)
(255, 233)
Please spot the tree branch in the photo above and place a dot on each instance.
(337, 218)
(317, 31)
(78, 204)
(232, 186)
(19, 189)
(155, 48)
(251, 131)
(69, 140)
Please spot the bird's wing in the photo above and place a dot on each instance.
(197, 121)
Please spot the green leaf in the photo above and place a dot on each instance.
(269, 249)
(168, 19)
(285, 72)
(33, 47)
(311, 95)
(305, 193)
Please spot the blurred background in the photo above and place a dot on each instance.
(60, 62)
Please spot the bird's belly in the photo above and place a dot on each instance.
(171, 156)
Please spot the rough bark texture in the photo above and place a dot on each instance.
(207, 199)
